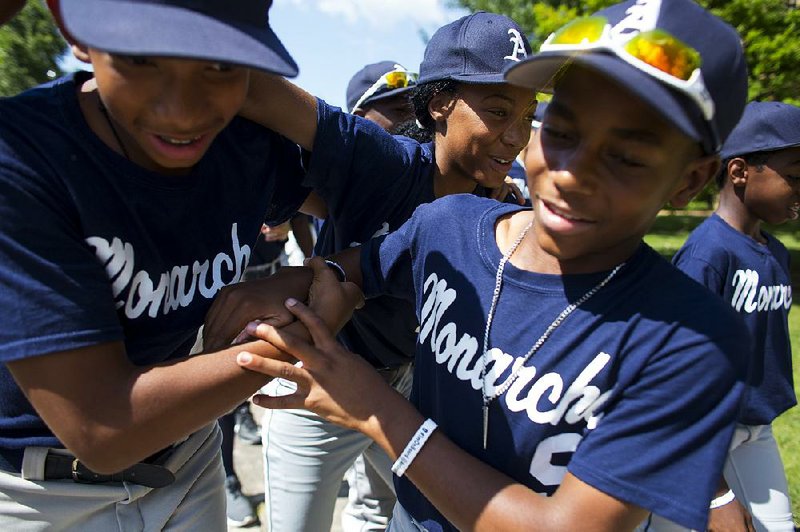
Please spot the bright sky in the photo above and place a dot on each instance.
(332, 39)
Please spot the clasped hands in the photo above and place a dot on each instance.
(262, 300)
(331, 381)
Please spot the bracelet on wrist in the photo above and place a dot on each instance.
(413, 447)
(722, 500)
(337, 269)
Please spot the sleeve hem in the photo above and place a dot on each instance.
(635, 494)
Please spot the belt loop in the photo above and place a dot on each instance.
(33, 463)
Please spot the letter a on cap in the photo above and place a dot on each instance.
(518, 52)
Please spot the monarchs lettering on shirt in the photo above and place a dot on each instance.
(749, 297)
(580, 402)
(177, 287)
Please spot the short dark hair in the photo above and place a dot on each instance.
(757, 159)
(422, 95)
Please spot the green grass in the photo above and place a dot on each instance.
(670, 231)
(787, 427)
(667, 235)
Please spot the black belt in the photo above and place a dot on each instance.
(60, 467)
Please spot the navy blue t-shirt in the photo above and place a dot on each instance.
(636, 393)
(371, 182)
(754, 280)
(94, 248)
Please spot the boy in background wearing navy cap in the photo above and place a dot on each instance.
(106, 423)
(558, 354)
(733, 256)
(379, 92)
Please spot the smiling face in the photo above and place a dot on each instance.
(168, 111)
(602, 166)
(772, 193)
(480, 131)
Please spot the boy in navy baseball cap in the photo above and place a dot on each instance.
(381, 89)
(731, 254)
(147, 191)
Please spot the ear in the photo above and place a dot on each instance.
(737, 172)
(81, 52)
(441, 105)
(698, 174)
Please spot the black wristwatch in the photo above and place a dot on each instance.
(337, 269)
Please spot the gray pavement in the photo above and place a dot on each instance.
(249, 464)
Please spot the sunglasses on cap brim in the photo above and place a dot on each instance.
(657, 53)
(396, 79)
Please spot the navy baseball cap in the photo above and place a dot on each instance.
(372, 79)
(474, 49)
(707, 111)
(765, 126)
(236, 32)
(538, 114)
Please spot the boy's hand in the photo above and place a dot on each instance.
(507, 188)
(330, 299)
(733, 517)
(276, 233)
(332, 382)
(261, 299)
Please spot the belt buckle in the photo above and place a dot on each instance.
(82, 478)
(76, 475)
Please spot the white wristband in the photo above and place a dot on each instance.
(722, 500)
(413, 447)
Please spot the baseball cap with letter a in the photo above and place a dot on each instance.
(474, 49)
(684, 62)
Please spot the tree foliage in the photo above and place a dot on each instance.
(30, 46)
(770, 31)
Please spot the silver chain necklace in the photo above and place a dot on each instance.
(498, 283)
(110, 123)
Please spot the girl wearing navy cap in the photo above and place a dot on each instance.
(371, 182)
